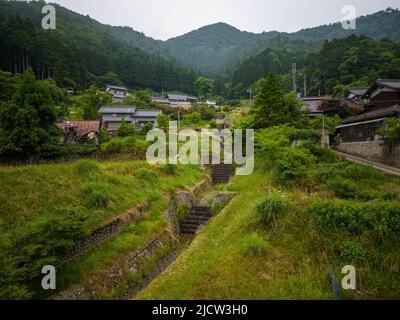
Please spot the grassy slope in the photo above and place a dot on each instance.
(214, 268)
(294, 265)
(34, 193)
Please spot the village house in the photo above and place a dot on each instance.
(312, 104)
(176, 100)
(357, 94)
(211, 103)
(111, 116)
(358, 132)
(79, 131)
(118, 93)
(379, 102)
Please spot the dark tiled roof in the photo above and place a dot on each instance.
(388, 83)
(360, 91)
(391, 83)
(117, 109)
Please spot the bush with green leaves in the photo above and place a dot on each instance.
(254, 245)
(343, 188)
(353, 252)
(270, 209)
(169, 169)
(46, 242)
(293, 162)
(119, 146)
(78, 150)
(323, 155)
(126, 130)
(349, 216)
(365, 174)
(381, 218)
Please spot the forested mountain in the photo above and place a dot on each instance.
(212, 49)
(353, 61)
(81, 51)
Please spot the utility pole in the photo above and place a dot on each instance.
(305, 85)
(294, 72)
(323, 129)
(250, 90)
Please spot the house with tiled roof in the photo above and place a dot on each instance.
(112, 116)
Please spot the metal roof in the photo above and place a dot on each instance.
(83, 127)
(147, 113)
(178, 97)
(360, 123)
(117, 109)
(116, 87)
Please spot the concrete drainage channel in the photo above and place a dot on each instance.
(185, 224)
(200, 214)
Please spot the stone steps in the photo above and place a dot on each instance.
(198, 216)
(221, 173)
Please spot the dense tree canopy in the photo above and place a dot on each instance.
(273, 107)
(80, 52)
(27, 121)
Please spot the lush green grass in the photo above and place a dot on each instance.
(46, 209)
(238, 257)
(215, 267)
(28, 193)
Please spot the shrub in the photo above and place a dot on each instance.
(323, 155)
(169, 169)
(358, 172)
(353, 252)
(45, 242)
(79, 150)
(343, 188)
(213, 124)
(293, 163)
(253, 245)
(119, 145)
(96, 196)
(388, 219)
(350, 216)
(272, 208)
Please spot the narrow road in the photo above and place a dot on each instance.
(391, 171)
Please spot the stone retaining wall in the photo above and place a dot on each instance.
(108, 231)
(374, 151)
(100, 285)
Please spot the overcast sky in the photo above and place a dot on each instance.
(164, 19)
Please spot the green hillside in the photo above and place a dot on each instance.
(46, 209)
(340, 63)
(81, 51)
(213, 48)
